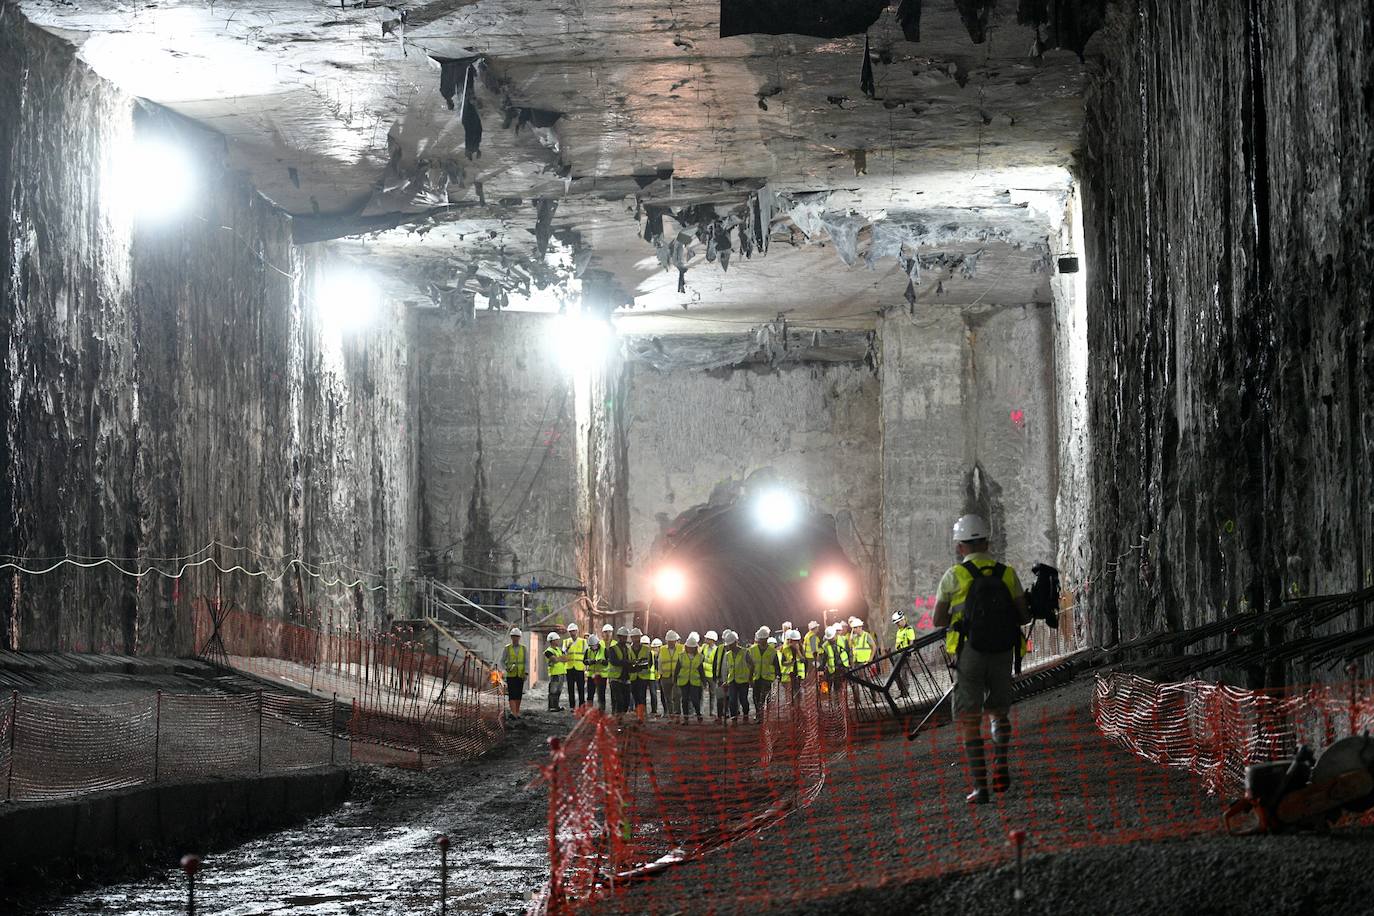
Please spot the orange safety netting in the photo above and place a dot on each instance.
(403, 697)
(57, 749)
(815, 802)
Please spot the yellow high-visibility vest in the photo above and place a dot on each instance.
(905, 637)
(737, 670)
(596, 661)
(576, 653)
(514, 658)
(811, 644)
(690, 670)
(668, 655)
(554, 656)
(765, 660)
(710, 654)
(861, 644)
(791, 661)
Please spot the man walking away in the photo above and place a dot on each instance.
(981, 602)
(596, 672)
(575, 647)
(906, 636)
(667, 667)
(738, 676)
(763, 659)
(710, 671)
(515, 661)
(554, 657)
(691, 678)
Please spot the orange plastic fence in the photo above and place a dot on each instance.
(663, 817)
(56, 749)
(403, 697)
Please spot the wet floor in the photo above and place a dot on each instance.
(377, 853)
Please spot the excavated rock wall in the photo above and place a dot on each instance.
(1228, 214)
(166, 387)
(969, 424)
(691, 433)
(498, 379)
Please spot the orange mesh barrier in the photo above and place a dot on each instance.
(57, 749)
(403, 697)
(813, 802)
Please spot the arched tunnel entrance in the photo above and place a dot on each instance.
(760, 558)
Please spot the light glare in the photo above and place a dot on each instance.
(583, 341)
(670, 584)
(776, 510)
(153, 179)
(348, 299)
(833, 588)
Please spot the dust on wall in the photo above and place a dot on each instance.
(166, 388)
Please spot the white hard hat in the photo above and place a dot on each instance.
(657, 642)
(554, 637)
(694, 635)
(898, 616)
(671, 636)
(762, 633)
(515, 631)
(730, 638)
(636, 631)
(786, 625)
(692, 641)
(772, 641)
(593, 640)
(572, 628)
(794, 635)
(971, 528)
(710, 634)
(608, 627)
(622, 631)
(644, 640)
(830, 632)
(856, 622)
(814, 625)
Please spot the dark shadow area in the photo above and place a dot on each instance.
(818, 18)
(743, 577)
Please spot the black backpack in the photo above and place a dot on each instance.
(991, 622)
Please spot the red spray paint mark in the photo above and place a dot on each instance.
(925, 623)
(1018, 419)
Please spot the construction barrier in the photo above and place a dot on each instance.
(818, 800)
(52, 749)
(1215, 731)
(404, 699)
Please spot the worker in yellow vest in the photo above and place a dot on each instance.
(576, 648)
(639, 658)
(713, 695)
(905, 638)
(596, 671)
(691, 677)
(763, 659)
(737, 675)
(555, 658)
(811, 646)
(833, 653)
(618, 670)
(792, 663)
(515, 660)
(655, 678)
(666, 657)
(862, 645)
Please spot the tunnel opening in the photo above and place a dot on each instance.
(762, 557)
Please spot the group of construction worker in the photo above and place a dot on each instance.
(719, 676)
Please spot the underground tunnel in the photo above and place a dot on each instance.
(383, 382)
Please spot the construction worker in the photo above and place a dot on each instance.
(792, 663)
(618, 671)
(639, 657)
(811, 645)
(738, 676)
(515, 660)
(842, 637)
(655, 679)
(861, 643)
(763, 659)
(710, 671)
(691, 677)
(575, 646)
(667, 661)
(596, 671)
(906, 636)
(982, 604)
(833, 653)
(555, 658)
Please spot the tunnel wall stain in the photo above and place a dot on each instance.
(168, 387)
(1227, 166)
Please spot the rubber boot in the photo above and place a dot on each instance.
(1001, 743)
(977, 770)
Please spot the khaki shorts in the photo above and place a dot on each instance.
(984, 683)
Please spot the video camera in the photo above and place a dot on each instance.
(1043, 597)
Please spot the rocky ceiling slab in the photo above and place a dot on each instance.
(494, 153)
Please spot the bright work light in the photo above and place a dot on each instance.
(776, 510)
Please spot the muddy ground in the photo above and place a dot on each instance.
(376, 854)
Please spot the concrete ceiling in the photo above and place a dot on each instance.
(595, 114)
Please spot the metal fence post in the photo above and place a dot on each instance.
(190, 864)
(157, 735)
(259, 731)
(14, 727)
(333, 711)
(443, 876)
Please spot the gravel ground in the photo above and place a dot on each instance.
(376, 854)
